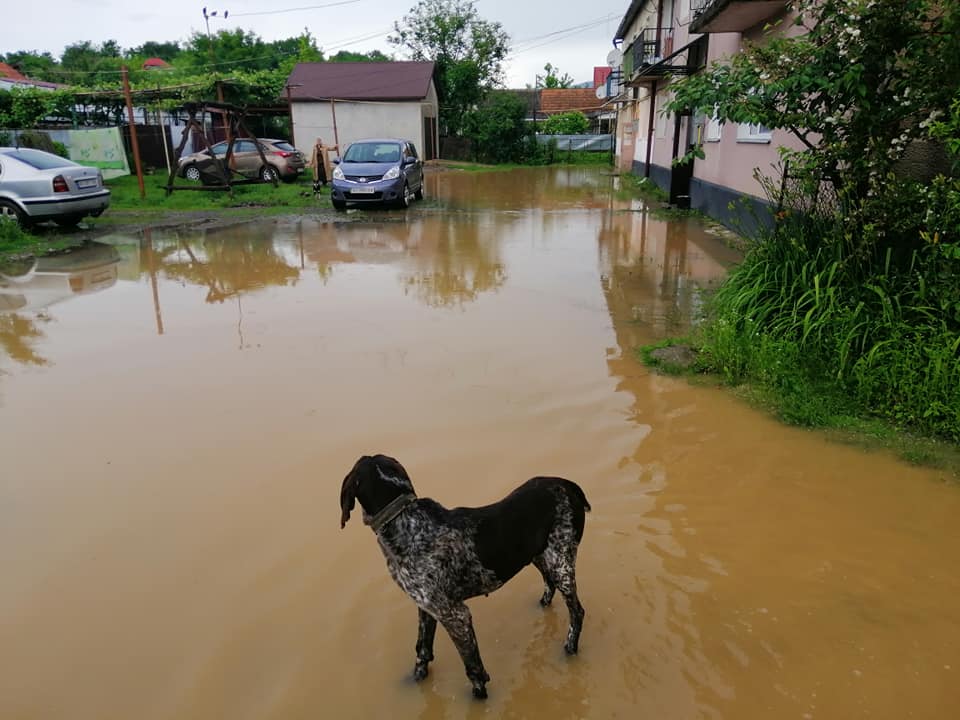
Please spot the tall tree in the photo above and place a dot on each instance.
(468, 52)
(349, 56)
(33, 64)
(163, 50)
(553, 79)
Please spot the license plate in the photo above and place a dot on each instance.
(362, 191)
(86, 183)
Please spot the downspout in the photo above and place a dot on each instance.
(653, 108)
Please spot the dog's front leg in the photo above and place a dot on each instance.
(459, 625)
(425, 634)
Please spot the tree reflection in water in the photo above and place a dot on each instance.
(228, 262)
(456, 263)
(17, 333)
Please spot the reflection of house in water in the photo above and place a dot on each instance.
(48, 281)
(444, 260)
(653, 270)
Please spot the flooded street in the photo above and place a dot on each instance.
(178, 410)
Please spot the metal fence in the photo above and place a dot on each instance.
(588, 143)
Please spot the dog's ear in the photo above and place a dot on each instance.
(348, 492)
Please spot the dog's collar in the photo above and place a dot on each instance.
(391, 511)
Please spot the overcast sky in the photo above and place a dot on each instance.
(535, 26)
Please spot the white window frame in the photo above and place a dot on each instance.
(713, 130)
(753, 133)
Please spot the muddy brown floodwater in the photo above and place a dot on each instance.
(177, 413)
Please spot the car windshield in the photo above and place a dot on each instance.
(372, 153)
(40, 160)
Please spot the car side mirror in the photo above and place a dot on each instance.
(336, 161)
(410, 161)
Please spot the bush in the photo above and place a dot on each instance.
(810, 316)
(38, 140)
(568, 123)
(498, 129)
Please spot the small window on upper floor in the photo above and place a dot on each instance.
(754, 133)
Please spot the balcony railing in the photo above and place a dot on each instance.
(651, 47)
(717, 16)
(654, 55)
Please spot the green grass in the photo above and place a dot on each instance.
(633, 186)
(125, 196)
(16, 243)
(857, 339)
(795, 398)
(128, 208)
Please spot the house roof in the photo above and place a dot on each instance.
(11, 76)
(635, 7)
(569, 100)
(360, 81)
(155, 62)
(9, 72)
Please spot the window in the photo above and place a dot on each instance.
(663, 122)
(714, 126)
(40, 160)
(753, 133)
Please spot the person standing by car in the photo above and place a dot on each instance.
(320, 162)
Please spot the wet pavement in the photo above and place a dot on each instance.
(177, 412)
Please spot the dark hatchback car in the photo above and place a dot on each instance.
(384, 171)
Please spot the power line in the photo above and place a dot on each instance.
(588, 24)
(296, 9)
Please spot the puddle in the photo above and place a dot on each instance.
(177, 413)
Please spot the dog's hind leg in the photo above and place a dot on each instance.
(459, 625)
(425, 633)
(549, 586)
(562, 565)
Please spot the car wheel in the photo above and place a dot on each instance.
(419, 193)
(339, 205)
(268, 173)
(191, 172)
(406, 197)
(68, 221)
(10, 211)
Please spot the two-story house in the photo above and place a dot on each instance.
(661, 41)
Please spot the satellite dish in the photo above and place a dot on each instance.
(614, 58)
(602, 92)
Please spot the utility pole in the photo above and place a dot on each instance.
(219, 86)
(133, 130)
(536, 101)
(206, 19)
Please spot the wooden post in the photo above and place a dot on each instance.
(227, 129)
(133, 130)
(336, 135)
(290, 113)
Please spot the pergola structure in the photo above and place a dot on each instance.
(216, 174)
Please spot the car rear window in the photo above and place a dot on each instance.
(285, 146)
(39, 159)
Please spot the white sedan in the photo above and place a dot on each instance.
(36, 186)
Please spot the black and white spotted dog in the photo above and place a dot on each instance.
(442, 557)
